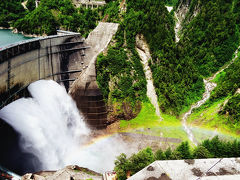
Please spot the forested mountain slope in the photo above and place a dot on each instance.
(209, 36)
(10, 11)
(222, 109)
(49, 16)
(220, 40)
(173, 87)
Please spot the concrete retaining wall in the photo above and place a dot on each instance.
(85, 90)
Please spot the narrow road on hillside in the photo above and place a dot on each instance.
(209, 86)
(144, 53)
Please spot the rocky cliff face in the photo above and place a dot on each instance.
(182, 9)
(186, 10)
(144, 53)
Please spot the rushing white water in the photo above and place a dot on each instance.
(52, 130)
(49, 123)
(177, 27)
(209, 86)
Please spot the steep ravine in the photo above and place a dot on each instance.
(144, 53)
(180, 15)
(177, 27)
(209, 86)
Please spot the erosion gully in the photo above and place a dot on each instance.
(209, 87)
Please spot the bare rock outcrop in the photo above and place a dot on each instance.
(67, 173)
(144, 53)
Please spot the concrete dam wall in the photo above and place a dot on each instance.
(65, 58)
(85, 90)
(29, 61)
(21, 64)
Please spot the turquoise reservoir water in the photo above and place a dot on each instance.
(7, 37)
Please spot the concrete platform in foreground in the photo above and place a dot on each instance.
(204, 169)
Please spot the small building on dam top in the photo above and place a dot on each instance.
(65, 58)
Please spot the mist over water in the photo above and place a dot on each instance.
(100, 155)
(49, 123)
(52, 129)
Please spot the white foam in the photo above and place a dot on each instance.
(49, 123)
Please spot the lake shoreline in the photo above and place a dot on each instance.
(15, 31)
(8, 37)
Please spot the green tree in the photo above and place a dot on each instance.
(31, 5)
(232, 108)
(39, 21)
(200, 152)
(10, 11)
(184, 151)
(140, 160)
(168, 153)
(122, 166)
(160, 155)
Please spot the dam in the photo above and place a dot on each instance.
(66, 58)
(40, 58)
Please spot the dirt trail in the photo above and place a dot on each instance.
(209, 86)
(144, 53)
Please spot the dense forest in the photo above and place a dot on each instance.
(52, 15)
(209, 35)
(174, 87)
(228, 87)
(10, 11)
(121, 78)
(49, 16)
(214, 148)
(208, 41)
(232, 108)
(228, 82)
(212, 36)
(225, 95)
(176, 81)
